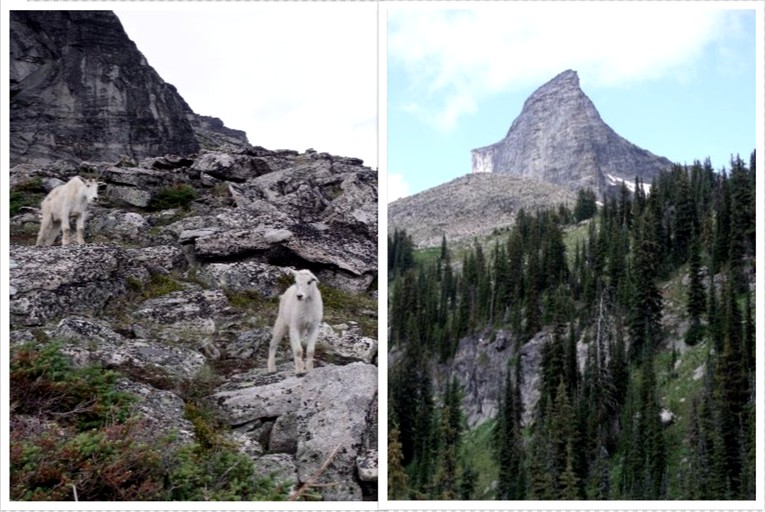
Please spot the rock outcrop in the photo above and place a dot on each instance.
(480, 365)
(322, 416)
(560, 138)
(81, 89)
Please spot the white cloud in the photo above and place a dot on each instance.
(454, 58)
(397, 187)
(291, 76)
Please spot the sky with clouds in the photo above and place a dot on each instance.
(676, 79)
(292, 75)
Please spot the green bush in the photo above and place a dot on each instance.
(44, 382)
(695, 334)
(176, 196)
(218, 475)
(99, 465)
(71, 437)
(30, 193)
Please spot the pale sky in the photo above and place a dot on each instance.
(675, 79)
(291, 75)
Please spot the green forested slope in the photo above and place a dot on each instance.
(657, 287)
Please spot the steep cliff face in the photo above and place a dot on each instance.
(81, 89)
(480, 365)
(560, 138)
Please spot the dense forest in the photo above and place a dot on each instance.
(598, 430)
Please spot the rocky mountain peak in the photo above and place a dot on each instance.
(80, 89)
(559, 137)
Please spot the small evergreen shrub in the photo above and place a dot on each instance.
(42, 381)
(176, 196)
(30, 193)
(72, 438)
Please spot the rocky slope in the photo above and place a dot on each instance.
(472, 205)
(179, 291)
(81, 89)
(187, 252)
(560, 138)
(185, 290)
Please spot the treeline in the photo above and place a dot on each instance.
(599, 433)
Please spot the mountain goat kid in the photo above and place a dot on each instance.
(71, 198)
(300, 312)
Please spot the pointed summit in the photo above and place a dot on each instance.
(560, 138)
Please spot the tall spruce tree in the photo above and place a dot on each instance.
(509, 451)
(696, 302)
(646, 311)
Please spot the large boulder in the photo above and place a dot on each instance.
(327, 411)
(50, 282)
(91, 341)
(267, 280)
(230, 167)
(332, 418)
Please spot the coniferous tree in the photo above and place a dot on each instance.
(532, 288)
(397, 478)
(732, 388)
(509, 442)
(446, 479)
(655, 462)
(468, 483)
(742, 218)
(586, 205)
(721, 247)
(686, 222)
(646, 312)
(696, 304)
(569, 483)
(542, 484)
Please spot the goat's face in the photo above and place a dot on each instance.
(90, 191)
(305, 283)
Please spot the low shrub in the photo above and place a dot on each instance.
(72, 438)
(30, 193)
(43, 382)
(176, 196)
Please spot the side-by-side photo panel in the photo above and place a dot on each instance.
(193, 254)
(571, 252)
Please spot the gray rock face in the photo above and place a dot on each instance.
(162, 412)
(480, 366)
(245, 276)
(560, 138)
(469, 206)
(328, 408)
(81, 89)
(48, 282)
(93, 342)
(332, 414)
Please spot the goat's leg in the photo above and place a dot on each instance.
(280, 329)
(313, 334)
(297, 349)
(44, 234)
(81, 228)
(51, 232)
(65, 228)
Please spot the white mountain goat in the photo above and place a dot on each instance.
(71, 198)
(300, 313)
